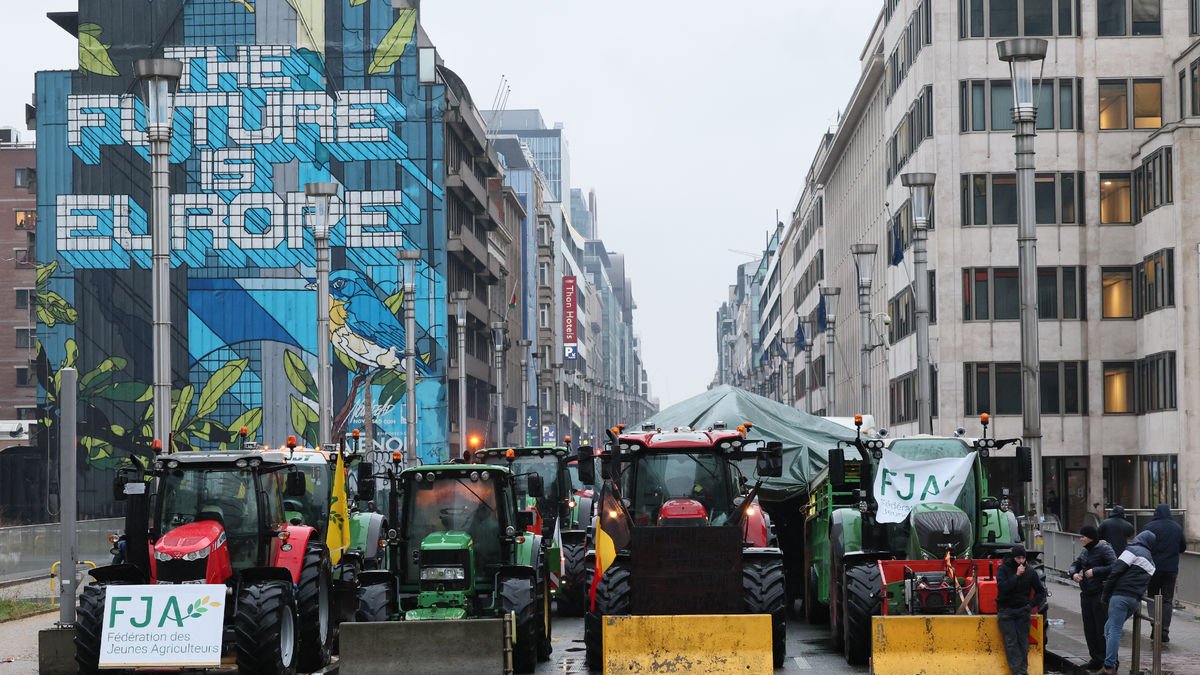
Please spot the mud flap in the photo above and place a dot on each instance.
(912, 645)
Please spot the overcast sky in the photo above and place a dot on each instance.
(694, 121)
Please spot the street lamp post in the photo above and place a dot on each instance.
(830, 294)
(524, 346)
(806, 327)
(557, 374)
(320, 194)
(920, 188)
(408, 259)
(499, 337)
(864, 259)
(789, 360)
(1022, 54)
(160, 77)
(460, 299)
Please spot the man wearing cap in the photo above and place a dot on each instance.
(1019, 592)
(1090, 570)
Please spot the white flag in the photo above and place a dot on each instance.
(901, 484)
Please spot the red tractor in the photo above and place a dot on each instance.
(218, 518)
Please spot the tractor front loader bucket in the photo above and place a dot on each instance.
(929, 644)
(702, 643)
(426, 647)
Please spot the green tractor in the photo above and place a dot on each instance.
(556, 516)
(460, 550)
(847, 549)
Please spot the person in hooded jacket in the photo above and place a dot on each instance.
(1019, 592)
(1089, 570)
(1127, 581)
(1116, 530)
(1168, 544)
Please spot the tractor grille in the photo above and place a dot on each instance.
(182, 571)
(446, 559)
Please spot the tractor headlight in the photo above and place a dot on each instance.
(161, 557)
(455, 573)
(196, 555)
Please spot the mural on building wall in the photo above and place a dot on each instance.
(274, 94)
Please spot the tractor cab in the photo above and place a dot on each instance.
(548, 462)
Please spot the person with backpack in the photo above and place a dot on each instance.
(1116, 530)
(1168, 544)
(1089, 570)
(1019, 592)
(1127, 581)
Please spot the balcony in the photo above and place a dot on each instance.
(463, 183)
(468, 248)
(466, 121)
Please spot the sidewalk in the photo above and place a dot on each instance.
(1066, 641)
(19, 643)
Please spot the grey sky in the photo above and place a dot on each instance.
(695, 121)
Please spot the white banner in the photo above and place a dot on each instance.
(177, 625)
(901, 484)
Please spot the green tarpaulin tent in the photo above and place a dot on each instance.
(806, 438)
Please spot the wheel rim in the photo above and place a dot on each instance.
(323, 609)
(287, 638)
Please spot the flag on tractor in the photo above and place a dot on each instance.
(337, 539)
(612, 534)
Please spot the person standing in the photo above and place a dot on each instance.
(1116, 530)
(1128, 578)
(1089, 570)
(1019, 592)
(1168, 544)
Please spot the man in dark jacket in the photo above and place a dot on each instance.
(1168, 544)
(1090, 570)
(1019, 591)
(1116, 530)
(1127, 580)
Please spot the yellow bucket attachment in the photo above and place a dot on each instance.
(931, 645)
(700, 643)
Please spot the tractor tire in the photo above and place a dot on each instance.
(376, 602)
(814, 611)
(519, 595)
(265, 629)
(545, 633)
(863, 591)
(613, 598)
(765, 585)
(314, 604)
(89, 624)
(573, 590)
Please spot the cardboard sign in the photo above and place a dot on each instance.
(177, 625)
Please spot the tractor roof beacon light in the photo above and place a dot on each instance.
(157, 446)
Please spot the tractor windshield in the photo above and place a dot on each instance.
(937, 448)
(226, 496)
(452, 502)
(545, 466)
(661, 477)
(313, 507)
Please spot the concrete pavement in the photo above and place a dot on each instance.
(19, 643)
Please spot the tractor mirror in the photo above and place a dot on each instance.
(537, 486)
(295, 486)
(525, 520)
(365, 481)
(837, 466)
(119, 487)
(606, 465)
(768, 461)
(587, 466)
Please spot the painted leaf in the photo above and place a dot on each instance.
(356, 3)
(102, 372)
(45, 271)
(298, 375)
(345, 360)
(218, 384)
(181, 406)
(125, 391)
(90, 29)
(72, 353)
(393, 392)
(299, 419)
(392, 46)
(251, 419)
(395, 302)
(93, 56)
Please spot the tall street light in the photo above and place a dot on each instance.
(320, 194)
(500, 339)
(408, 261)
(159, 77)
(864, 263)
(524, 346)
(1022, 56)
(806, 328)
(920, 190)
(460, 299)
(830, 294)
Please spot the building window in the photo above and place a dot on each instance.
(1115, 104)
(1112, 17)
(1152, 183)
(1194, 75)
(1143, 481)
(543, 274)
(26, 219)
(544, 315)
(25, 338)
(1117, 290)
(1057, 197)
(902, 312)
(1115, 198)
(1063, 387)
(24, 377)
(1156, 281)
(27, 412)
(1012, 18)
(992, 388)
(25, 177)
(1118, 388)
(903, 398)
(915, 127)
(987, 105)
(990, 294)
(1061, 293)
(24, 297)
(1194, 16)
(1156, 382)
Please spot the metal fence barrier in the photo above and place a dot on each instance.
(29, 550)
(1062, 547)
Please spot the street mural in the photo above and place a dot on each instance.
(274, 94)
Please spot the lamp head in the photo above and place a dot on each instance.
(159, 78)
(1022, 56)
(920, 193)
(864, 256)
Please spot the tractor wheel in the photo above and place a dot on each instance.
(376, 602)
(265, 629)
(313, 602)
(573, 588)
(89, 623)
(863, 591)
(545, 633)
(520, 596)
(765, 587)
(814, 611)
(612, 599)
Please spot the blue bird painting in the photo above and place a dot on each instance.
(362, 326)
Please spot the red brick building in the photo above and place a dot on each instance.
(18, 266)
